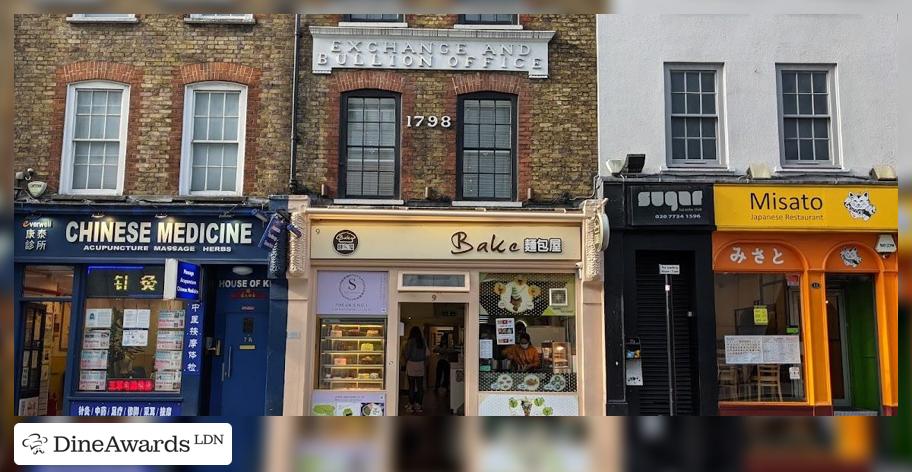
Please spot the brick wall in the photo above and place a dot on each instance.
(557, 129)
(156, 56)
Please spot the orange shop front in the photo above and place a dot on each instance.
(806, 300)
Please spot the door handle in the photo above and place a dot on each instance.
(226, 365)
(230, 361)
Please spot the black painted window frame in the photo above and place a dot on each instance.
(460, 148)
(342, 191)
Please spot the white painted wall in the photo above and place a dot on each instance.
(633, 49)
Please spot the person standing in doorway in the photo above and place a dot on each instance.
(416, 354)
(442, 379)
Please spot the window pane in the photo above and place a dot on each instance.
(788, 82)
(110, 152)
(502, 186)
(692, 81)
(81, 153)
(821, 107)
(355, 109)
(693, 127)
(471, 111)
(822, 149)
(371, 109)
(112, 127)
(790, 128)
(201, 106)
(804, 104)
(503, 139)
(94, 180)
(200, 154)
(677, 81)
(387, 134)
(502, 162)
(200, 128)
(486, 162)
(677, 127)
(709, 149)
(388, 110)
(790, 104)
(486, 136)
(355, 133)
(677, 149)
(231, 103)
(709, 104)
(804, 82)
(82, 127)
(213, 179)
(372, 134)
(387, 160)
(96, 153)
(99, 102)
(386, 186)
(470, 137)
(231, 129)
(197, 179)
(97, 127)
(504, 112)
(744, 374)
(821, 128)
(353, 183)
(215, 155)
(371, 158)
(708, 126)
(114, 101)
(693, 149)
(215, 129)
(80, 176)
(229, 155)
(83, 102)
(708, 81)
(470, 161)
(486, 186)
(820, 85)
(217, 104)
(355, 161)
(804, 129)
(229, 179)
(109, 181)
(805, 149)
(693, 103)
(369, 183)
(486, 111)
(677, 103)
(791, 149)
(470, 185)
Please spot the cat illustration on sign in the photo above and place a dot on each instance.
(850, 257)
(860, 206)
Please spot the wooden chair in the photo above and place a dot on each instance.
(728, 383)
(768, 378)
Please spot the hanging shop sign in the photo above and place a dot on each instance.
(436, 241)
(182, 280)
(675, 205)
(352, 293)
(78, 236)
(800, 207)
(430, 49)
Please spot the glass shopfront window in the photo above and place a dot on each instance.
(758, 330)
(527, 334)
(132, 340)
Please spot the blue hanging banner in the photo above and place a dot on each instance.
(193, 339)
(275, 230)
(182, 280)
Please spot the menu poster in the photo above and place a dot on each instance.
(506, 331)
(92, 380)
(167, 381)
(136, 318)
(168, 360)
(781, 350)
(97, 339)
(171, 319)
(485, 349)
(743, 350)
(93, 359)
(135, 337)
(762, 349)
(170, 340)
(98, 317)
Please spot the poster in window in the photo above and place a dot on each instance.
(98, 317)
(506, 331)
(761, 315)
(97, 339)
(167, 381)
(485, 349)
(93, 359)
(169, 340)
(92, 380)
(168, 360)
(135, 338)
(136, 318)
(171, 319)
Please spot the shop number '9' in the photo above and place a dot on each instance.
(417, 121)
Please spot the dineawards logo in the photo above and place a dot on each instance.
(122, 444)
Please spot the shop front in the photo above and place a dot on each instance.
(504, 307)
(806, 290)
(659, 307)
(125, 310)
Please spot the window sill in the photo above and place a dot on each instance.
(811, 170)
(89, 196)
(486, 204)
(373, 24)
(367, 201)
(221, 21)
(210, 198)
(77, 19)
(488, 27)
(698, 170)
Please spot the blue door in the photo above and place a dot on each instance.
(242, 373)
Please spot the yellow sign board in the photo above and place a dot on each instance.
(761, 315)
(808, 208)
(445, 241)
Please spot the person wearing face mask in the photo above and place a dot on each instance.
(523, 355)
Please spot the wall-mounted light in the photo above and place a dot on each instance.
(98, 215)
(242, 270)
(161, 216)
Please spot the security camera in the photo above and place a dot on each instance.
(29, 173)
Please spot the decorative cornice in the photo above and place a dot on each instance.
(426, 33)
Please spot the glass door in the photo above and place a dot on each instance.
(836, 336)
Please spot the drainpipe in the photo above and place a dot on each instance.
(293, 139)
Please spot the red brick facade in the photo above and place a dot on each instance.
(93, 70)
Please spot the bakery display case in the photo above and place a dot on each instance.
(352, 354)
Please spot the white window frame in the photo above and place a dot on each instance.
(67, 159)
(490, 26)
(187, 138)
(835, 162)
(95, 18)
(721, 161)
(221, 18)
